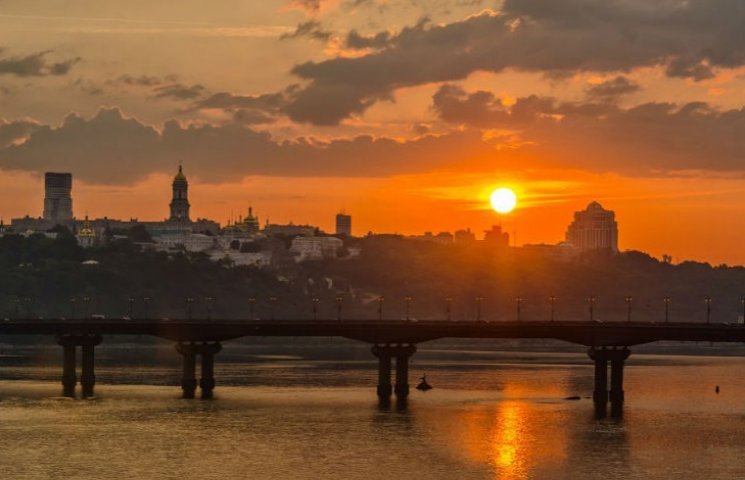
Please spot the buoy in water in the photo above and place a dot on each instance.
(717, 389)
(423, 385)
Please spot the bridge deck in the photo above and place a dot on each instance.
(385, 331)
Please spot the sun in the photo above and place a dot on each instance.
(503, 200)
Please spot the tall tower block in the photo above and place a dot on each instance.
(58, 197)
(180, 201)
(344, 224)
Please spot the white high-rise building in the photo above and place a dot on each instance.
(594, 228)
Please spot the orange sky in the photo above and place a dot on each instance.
(404, 114)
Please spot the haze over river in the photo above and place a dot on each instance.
(295, 412)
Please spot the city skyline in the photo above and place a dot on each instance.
(304, 108)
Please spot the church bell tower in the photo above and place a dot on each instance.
(180, 201)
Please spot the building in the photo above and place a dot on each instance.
(315, 248)
(58, 198)
(466, 235)
(343, 224)
(180, 201)
(86, 236)
(497, 236)
(594, 228)
(243, 227)
(289, 230)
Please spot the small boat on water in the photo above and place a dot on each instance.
(423, 385)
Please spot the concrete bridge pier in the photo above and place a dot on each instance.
(385, 353)
(601, 356)
(69, 345)
(207, 382)
(384, 371)
(403, 353)
(69, 378)
(189, 375)
(189, 352)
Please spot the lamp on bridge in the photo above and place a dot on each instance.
(209, 301)
(87, 301)
(146, 301)
(552, 301)
(448, 307)
(707, 300)
(251, 302)
(131, 301)
(272, 304)
(667, 308)
(189, 301)
(629, 299)
(408, 299)
(315, 301)
(479, 299)
(591, 303)
(518, 302)
(381, 299)
(72, 307)
(339, 299)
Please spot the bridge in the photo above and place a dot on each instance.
(390, 339)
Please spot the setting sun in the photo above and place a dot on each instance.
(503, 200)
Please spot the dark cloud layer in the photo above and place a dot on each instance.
(689, 39)
(310, 29)
(645, 139)
(611, 90)
(110, 148)
(35, 65)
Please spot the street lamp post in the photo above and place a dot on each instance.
(448, 307)
(591, 302)
(407, 298)
(629, 299)
(518, 302)
(27, 302)
(478, 308)
(667, 309)
(146, 301)
(131, 305)
(380, 307)
(272, 305)
(552, 301)
(707, 300)
(72, 307)
(315, 308)
(339, 300)
(209, 301)
(87, 301)
(251, 302)
(189, 301)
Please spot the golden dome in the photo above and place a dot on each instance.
(180, 177)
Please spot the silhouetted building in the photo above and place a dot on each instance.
(594, 228)
(497, 236)
(180, 202)
(343, 224)
(464, 236)
(58, 198)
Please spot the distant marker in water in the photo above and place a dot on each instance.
(717, 389)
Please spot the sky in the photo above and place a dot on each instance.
(405, 114)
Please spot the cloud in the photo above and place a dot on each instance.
(310, 29)
(178, 91)
(612, 89)
(689, 39)
(35, 65)
(357, 41)
(16, 131)
(110, 148)
(642, 140)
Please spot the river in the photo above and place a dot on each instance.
(285, 413)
